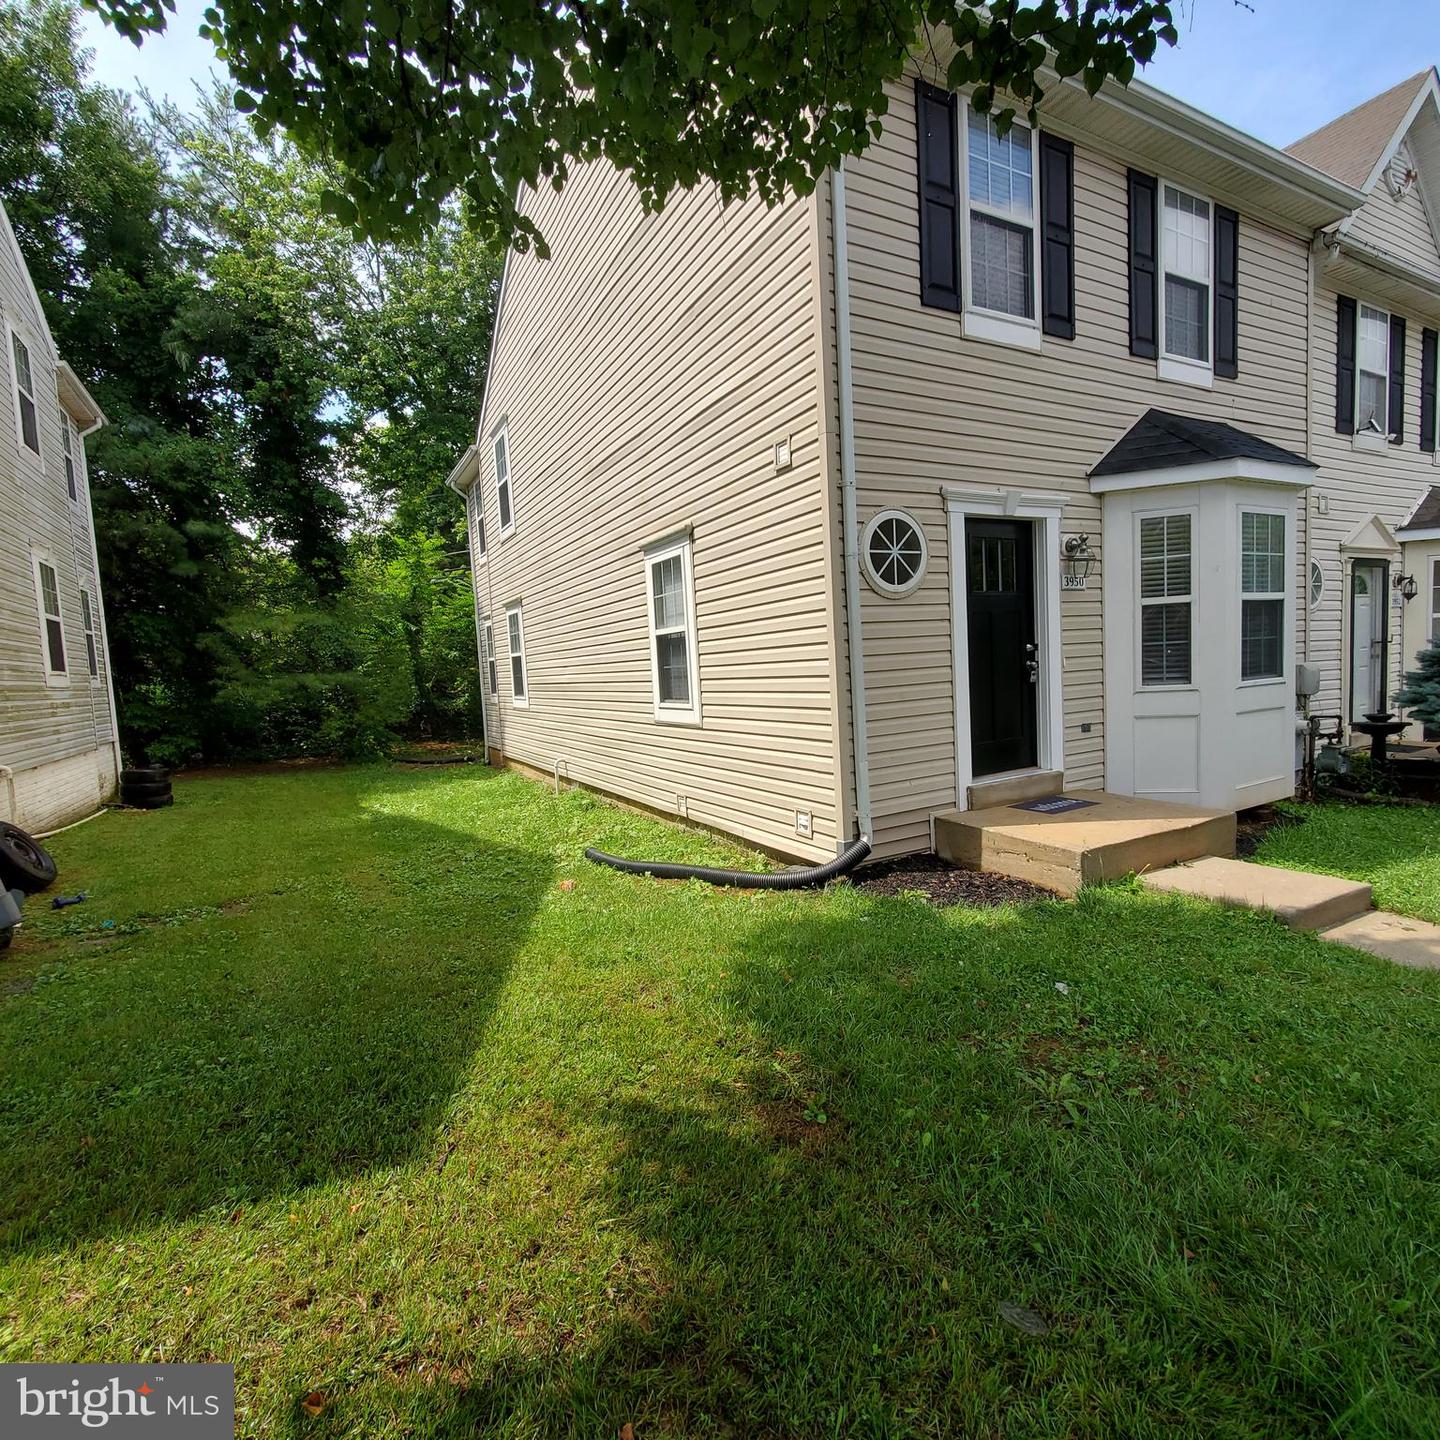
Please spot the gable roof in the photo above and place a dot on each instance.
(1355, 145)
(1160, 440)
(1426, 515)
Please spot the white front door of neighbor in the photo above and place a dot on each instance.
(1368, 619)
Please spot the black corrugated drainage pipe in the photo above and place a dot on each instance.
(801, 878)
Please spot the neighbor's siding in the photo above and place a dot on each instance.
(933, 409)
(40, 724)
(646, 372)
(1355, 484)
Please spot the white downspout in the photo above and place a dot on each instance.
(849, 521)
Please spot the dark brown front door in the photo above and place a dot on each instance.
(1000, 600)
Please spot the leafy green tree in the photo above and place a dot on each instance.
(423, 100)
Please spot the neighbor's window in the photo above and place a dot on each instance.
(1186, 258)
(1372, 372)
(1434, 600)
(1262, 592)
(1166, 600)
(671, 595)
(515, 635)
(52, 624)
(503, 495)
(67, 432)
(492, 670)
(92, 651)
(1001, 195)
(27, 417)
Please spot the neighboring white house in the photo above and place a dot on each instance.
(995, 459)
(59, 755)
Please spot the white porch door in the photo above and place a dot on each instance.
(1367, 637)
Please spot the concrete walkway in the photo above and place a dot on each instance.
(1338, 909)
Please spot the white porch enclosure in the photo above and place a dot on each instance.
(1199, 526)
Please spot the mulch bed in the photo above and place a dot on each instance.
(944, 884)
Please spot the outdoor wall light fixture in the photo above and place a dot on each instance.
(1079, 557)
(1407, 586)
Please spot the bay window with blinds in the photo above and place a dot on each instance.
(1166, 599)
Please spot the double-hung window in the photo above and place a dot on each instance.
(1166, 599)
(72, 443)
(92, 650)
(492, 670)
(670, 595)
(1001, 201)
(1186, 255)
(477, 504)
(1434, 601)
(515, 637)
(1372, 372)
(1262, 595)
(27, 417)
(504, 493)
(52, 622)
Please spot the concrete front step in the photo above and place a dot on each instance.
(1415, 943)
(1113, 836)
(1013, 789)
(1302, 900)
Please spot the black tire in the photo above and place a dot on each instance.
(149, 790)
(24, 862)
(6, 936)
(153, 802)
(144, 775)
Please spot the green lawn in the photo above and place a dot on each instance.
(1395, 847)
(376, 1088)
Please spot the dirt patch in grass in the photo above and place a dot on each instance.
(944, 884)
(786, 1125)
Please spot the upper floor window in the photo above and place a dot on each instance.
(1000, 192)
(1372, 372)
(26, 416)
(477, 505)
(1186, 260)
(72, 442)
(52, 621)
(504, 501)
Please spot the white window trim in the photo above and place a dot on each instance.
(668, 712)
(72, 448)
(477, 500)
(53, 678)
(90, 633)
(1372, 439)
(1434, 631)
(1180, 368)
(995, 325)
(519, 702)
(1282, 595)
(488, 660)
(501, 434)
(32, 457)
(1189, 598)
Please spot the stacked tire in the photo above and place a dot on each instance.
(146, 788)
(26, 867)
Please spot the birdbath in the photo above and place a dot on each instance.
(1381, 727)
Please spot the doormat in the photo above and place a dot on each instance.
(1054, 805)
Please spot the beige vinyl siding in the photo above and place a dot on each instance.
(934, 408)
(42, 723)
(1399, 227)
(1355, 484)
(645, 374)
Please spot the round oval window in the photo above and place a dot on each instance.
(894, 550)
(1317, 584)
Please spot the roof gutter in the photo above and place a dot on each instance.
(79, 403)
(463, 475)
(854, 632)
(1341, 242)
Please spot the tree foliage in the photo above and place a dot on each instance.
(1420, 694)
(419, 100)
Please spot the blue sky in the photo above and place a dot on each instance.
(1276, 71)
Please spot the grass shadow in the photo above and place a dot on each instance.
(307, 1015)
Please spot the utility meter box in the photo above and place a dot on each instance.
(1307, 681)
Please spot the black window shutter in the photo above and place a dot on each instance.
(1057, 225)
(1397, 380)
(939, 177)
(1144, 271)
(1227, 293)
(1429, 344)
(1344, 365)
